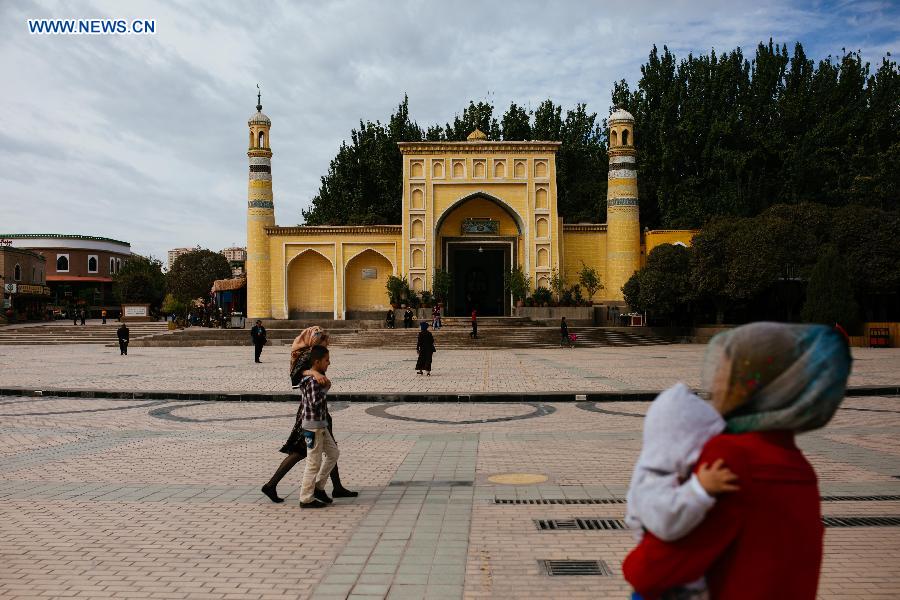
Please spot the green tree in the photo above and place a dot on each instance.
(397, 289)
(475, 116)
(589, 279)
(829, 295)
(516, 282)
(516, 123)
(364, 181)
(663, 287)
(140, 280)
(443, 281)
(193, 274)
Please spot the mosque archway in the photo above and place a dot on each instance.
(365, 281)
(479, 238)
(310, 286)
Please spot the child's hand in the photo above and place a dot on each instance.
(320, 379)
(717, 479)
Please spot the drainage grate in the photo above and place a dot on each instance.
(580, 524)
(861, 521)
(556, 568)
(559, 501)
(859, 498)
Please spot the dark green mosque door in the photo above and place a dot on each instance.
(477, 272)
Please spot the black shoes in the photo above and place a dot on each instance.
(343, 492)
(272, 494)
(322, 496)
(313, 504)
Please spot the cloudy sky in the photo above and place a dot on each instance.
(143, 138)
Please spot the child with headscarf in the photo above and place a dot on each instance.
(295, 446)
(769, 381)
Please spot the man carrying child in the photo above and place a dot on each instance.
(322, 451)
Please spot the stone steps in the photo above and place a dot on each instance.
(448, 338)
(54, 334)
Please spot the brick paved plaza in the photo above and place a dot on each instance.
(160, 499)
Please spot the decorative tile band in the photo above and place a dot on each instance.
(621, 159)
(622, 174)
(622, 202)
(260, 160)
(261, 204)
(260, 176)
(260, 168)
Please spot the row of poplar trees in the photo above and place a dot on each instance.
(717, 134)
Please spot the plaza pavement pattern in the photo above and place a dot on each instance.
(158, 499)
(383, 370)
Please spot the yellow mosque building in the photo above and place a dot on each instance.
(473, 209)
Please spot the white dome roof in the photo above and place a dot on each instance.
(620, 114)
(259, 118)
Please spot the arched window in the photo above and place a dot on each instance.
(262, 139)
(62, 262)
(34, 275)
(251, 139)
(112, 265)
(93, 264)
(615, 137)
(118, 265)
(18, 273)
(625, 137)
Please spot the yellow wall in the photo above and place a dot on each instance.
(310, 283)
(652, 239)
(587, 246)
(367, 294)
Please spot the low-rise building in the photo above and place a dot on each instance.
(79, 269)
(24, 294)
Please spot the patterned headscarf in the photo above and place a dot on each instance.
(309, 337)
(782, 376)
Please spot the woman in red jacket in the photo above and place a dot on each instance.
(770, 381)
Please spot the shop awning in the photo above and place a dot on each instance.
(226, 285)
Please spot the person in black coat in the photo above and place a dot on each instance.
(258, 335)
(390, 318)
(564, 333)
(122, 334)
(425, 348)
(407, 318)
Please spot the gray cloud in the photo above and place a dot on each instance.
(143, 138)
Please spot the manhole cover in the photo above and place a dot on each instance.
(517, 478)
(555, 568)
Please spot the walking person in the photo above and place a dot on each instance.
(425, 348)
(390, 319)
(295, 446)
(103, 315)
(74, 317)
(322, 452)
(474, 334)
(258, 336)
(82, 316)
(122, 334)
(436, 316)
(564, 333)
(769, 381)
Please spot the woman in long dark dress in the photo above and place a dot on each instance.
(295, 447)
(425, 348)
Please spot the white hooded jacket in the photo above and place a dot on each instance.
(664, 497)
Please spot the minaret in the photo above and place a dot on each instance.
(623, 230)
(260, 214)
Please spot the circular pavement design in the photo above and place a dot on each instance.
(540, 410)
(592, 407)
(86, 410)
(166, 413)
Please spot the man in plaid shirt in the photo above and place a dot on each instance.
(314, 415)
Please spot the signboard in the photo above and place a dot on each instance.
(481, 226)
(34, 290)
(9, 288)
(7, 303)
(134, 311)
(370, 273)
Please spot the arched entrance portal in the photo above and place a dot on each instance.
(479, 238)
(310, 281)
